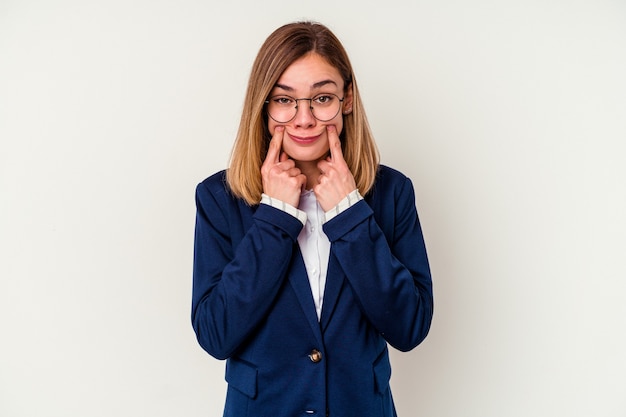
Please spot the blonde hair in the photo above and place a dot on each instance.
(284, 46)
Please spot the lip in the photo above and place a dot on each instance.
(304, 140)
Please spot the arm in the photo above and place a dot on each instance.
(236, 273)
(389, 271)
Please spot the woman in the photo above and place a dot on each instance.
(309, 256)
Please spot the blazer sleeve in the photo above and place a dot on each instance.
(236, 273)
(388, 271)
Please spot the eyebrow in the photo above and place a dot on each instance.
(318, 84)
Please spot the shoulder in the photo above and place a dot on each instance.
(389, 174)
(390, 181)
(392, 199)
(216, 183)
(214, 190)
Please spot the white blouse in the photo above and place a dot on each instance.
(315, 247)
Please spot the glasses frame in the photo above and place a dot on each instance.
(310, 100)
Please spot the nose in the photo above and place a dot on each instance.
(304, 114)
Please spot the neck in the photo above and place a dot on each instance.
(311, 171)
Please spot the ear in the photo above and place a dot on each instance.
(348, 99)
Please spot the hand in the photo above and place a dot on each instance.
(281, 179)
(336, 181)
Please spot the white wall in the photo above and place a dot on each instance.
(509, 116)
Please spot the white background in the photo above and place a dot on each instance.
(509, 116)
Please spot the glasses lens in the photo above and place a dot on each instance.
(282, 108)
(324, 107)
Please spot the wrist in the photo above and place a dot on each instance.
(348, 201)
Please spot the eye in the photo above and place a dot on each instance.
(324, 99)
(283, 100)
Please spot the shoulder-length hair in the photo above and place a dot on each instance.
(284, 46)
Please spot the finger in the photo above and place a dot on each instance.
(273, 153)
(324, 165)
(302, 180)
(285, 163)
(334, 143)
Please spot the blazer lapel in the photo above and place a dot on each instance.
(300, 284)
(334, 281)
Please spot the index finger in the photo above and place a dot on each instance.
(334, 143)
(273, 152)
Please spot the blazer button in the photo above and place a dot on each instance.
(315, 356)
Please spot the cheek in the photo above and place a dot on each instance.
(339, 124)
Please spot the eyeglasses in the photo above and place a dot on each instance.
(324, 107)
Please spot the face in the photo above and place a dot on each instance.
(305, 138)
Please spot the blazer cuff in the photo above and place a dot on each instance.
(287, 208)
(280, 219)
(347, 220)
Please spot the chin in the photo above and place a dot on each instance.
(302, 155)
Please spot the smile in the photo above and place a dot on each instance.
(304, 139)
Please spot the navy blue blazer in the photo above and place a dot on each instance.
(252, 302)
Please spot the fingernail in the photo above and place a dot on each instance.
(280, 128)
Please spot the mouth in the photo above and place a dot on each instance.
(304, 140)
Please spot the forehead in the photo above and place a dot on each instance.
(310, 72)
